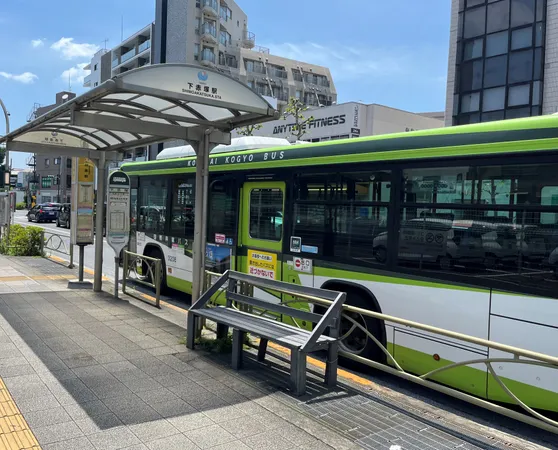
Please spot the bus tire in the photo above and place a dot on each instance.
(360, 343)
(156, 252)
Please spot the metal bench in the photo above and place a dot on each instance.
(245, 320)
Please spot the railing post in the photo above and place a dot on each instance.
(71, 266)
(158, 280)
(125, 271)
(42, 243)
(116, 267)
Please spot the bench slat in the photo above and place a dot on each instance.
(290, 336)
(277, 331)
(281, 309)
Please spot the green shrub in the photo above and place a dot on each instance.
(22, 241)
(20, 205)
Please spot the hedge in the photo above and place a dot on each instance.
(22, 241)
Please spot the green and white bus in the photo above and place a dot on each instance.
(454, 227)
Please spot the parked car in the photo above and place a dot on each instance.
(63, 219)
(44, 212)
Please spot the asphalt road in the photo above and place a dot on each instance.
(64, 233)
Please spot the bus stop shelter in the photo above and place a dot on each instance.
(149, 105)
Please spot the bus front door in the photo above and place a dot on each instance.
(261, 232)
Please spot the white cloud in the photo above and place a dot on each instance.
(25, 78)
(362, 63)
(36, 43)
(75, 74)
(70, 49)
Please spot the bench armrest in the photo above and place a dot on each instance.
(206, 296)
(333, 313)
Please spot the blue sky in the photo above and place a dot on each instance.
(393, 53)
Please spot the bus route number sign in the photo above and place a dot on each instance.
(262, 264)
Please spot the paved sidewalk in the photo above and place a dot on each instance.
(90, 372)
(82, 370)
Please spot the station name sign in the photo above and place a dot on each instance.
(312, 124)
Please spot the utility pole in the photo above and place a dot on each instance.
(7, 154)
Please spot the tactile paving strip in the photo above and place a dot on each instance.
(14, 431)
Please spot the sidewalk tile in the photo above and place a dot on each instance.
(176, 442)
(57, 432)
(47, 417)
(96, 424)
(81, 443)
(150, 431)
(209, 436)
(117, 438)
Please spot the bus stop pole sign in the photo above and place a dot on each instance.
(118, 217)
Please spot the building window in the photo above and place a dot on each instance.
(474, 22)
(521, 66)
(494, 99)
(498, 16)
(495, 71)
(473, 49)
(47, 162)
(500, 49)
(519, 95)
(470, 102)
(471, 76)
(497, 44)
(196, 51)
(95, 67)
(69, 163)
(522, 38)
(522, 12)
(56, 161)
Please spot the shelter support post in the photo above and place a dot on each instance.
(202, 162)
(100, 221)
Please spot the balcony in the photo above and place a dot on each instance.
(207, 57)
(87, 81)
(209, 32)
(297, 76)
(276, 73)
(211, 8)
(115, 62)
(143, 47)
(128, 55)
(248, 39)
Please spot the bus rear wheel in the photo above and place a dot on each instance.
(356, 340)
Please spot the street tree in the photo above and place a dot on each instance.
(295, 109)
(249, 130)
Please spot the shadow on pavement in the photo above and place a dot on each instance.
(111, 361)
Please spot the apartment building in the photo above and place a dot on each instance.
(214, 34)
(503, 60)
(53, 182)
(100, 69)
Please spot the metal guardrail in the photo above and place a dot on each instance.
(520, 356)
(55, 243)
(142, 270)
